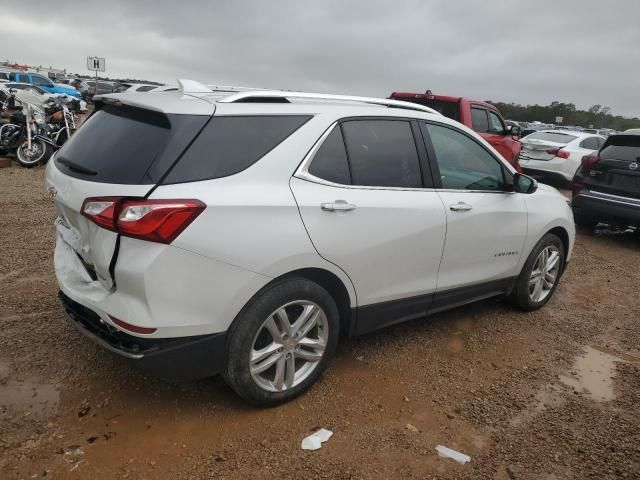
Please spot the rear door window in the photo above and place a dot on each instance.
(382, 153)
(127, 145)
(330, 161)
(231, 144)
(479, 120)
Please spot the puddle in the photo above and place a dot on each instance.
(593, 373)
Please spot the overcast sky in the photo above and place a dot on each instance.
(535, 51)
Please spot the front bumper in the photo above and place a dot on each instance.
(187, 357)
(606, 208)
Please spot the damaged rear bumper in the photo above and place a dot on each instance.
(187, 357)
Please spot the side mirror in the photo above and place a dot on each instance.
(515, 130)
(524, 184)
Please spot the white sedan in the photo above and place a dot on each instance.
(557, 153)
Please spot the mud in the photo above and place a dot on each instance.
(546, 394)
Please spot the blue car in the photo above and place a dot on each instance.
(42, 82)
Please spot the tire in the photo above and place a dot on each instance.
(524, 295)
(252, 330)
(42, 151)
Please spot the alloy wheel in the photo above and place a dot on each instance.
(544, 274)
(289, 346)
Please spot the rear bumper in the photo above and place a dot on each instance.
(606, 208)
(187, 357)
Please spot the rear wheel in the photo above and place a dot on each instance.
(280, 344)
(540, 275)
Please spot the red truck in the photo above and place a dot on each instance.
(482, 117)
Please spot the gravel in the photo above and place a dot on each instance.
(483, 380)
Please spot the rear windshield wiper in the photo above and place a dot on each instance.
(76, 166)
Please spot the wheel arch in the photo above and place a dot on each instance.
(562, 233)
(334, 286)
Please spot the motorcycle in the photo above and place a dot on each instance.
(34, 132)
(60, 123)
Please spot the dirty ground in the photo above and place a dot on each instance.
(551, 394)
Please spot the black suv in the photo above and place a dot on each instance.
(606, 187)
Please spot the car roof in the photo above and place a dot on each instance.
(205, 103)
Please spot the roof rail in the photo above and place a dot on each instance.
(191, 86)
(233, 88)
(262, 94)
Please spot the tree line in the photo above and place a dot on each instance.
(596, 116)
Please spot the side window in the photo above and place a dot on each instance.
(382, 153)
(479, 120)
(600, 142)
(463, 163)
(590, 143)
(330, 161)
(146, 88)
(495, 123)
(39, 81)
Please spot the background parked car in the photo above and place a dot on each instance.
(137, 87)
(482, 117)
(606, 188)
(40, 95)
(43, 82)
(165, 88)
(557, 153)
(103, 87)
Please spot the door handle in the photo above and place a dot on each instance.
(460, 207)
(337, 206)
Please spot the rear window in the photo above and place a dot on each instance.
(230, 144)
(127, 145)
(552, 137)
(448, 109)
(622, 147)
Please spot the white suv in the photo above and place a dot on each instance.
(203, 233)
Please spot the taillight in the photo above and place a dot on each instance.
(556, 152)
(153, 220)
(590, 160)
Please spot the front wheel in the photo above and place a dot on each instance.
(280, 344)
(540, 275)
(39, 152)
